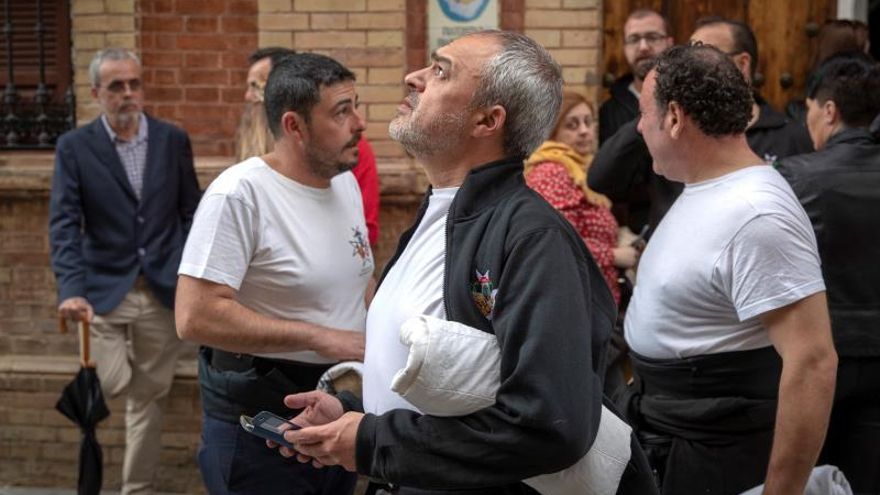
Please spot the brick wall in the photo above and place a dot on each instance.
(195, 51)
(365, 35)
(570, 29)
(40, 447)
(195, 65)
(28, 323)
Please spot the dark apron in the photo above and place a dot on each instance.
(706, 422)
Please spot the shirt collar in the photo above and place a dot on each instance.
(141, 135)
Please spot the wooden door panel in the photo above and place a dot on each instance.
(686, 14)
(785, 50)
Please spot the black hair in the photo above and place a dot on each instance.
(274, 53)
(743, 37)
(852, 81)
(643, 13)
(707, 85)
(295, 85)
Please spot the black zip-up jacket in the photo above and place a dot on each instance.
(839, 187)
(620, 108)
(773, 136)
(552, 315)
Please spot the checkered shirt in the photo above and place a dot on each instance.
(132, 153)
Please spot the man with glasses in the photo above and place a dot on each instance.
(645, 35)
(123, 197)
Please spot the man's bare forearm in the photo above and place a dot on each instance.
(209, 314)
(801, 333)
(806, 393)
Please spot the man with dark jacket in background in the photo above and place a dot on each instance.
(123, 197)
(645, 35)
(839, 187)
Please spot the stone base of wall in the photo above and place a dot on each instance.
(40, 447)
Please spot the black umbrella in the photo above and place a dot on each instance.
(83, 403)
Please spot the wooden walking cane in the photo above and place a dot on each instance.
(83, 326)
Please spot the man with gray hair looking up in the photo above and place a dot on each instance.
(489, 253)
(123, 197)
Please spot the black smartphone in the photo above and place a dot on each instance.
(269, 426)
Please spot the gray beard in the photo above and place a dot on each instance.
(127, 119)
(440, 135)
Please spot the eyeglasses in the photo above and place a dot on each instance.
(118, 86)
(652, 38)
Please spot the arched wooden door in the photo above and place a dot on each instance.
(785, 30)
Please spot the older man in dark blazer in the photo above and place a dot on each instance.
(123, 196)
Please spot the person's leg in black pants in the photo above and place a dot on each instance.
(853, 441)
(637, 477)
(234, 462)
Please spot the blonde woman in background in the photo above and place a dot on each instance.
(558, 172)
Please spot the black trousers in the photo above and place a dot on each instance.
(853, 441)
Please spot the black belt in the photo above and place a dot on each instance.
(295, 370)
(235, 384)
(753, 373)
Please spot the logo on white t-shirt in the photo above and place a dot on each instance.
(360, 245)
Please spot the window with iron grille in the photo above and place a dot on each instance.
(37, 102)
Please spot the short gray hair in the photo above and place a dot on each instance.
(524, 79)
(108, 54)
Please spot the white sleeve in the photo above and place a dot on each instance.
(771, 262)
(221, 241)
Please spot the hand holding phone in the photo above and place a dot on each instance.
(639, 241)
(269, 426)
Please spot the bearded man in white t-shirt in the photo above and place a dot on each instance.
(274, 275)
(728, 324)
